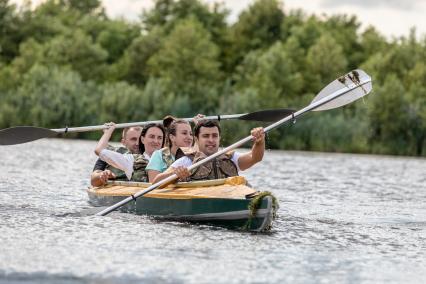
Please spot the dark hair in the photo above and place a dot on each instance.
(206, 123)
(171, 129)
(145, 130)
(167, 120)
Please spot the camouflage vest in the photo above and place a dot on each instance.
(218, 168)
(119, 174)
(168, 158)
(139, 165)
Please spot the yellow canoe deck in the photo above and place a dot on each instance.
(233, 187)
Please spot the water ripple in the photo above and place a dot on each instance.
(342, 218)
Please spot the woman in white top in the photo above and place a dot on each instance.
(151, 139)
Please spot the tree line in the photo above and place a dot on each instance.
(66, 63)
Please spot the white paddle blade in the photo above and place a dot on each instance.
(357, 81)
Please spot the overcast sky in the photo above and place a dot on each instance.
(392, 18)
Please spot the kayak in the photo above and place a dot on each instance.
(228, 203)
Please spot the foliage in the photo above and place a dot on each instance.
(66, 63)
(48, 95)
(258, 27)
(271, 75)
(325, 60)
(188, 64)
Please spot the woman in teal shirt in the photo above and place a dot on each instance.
(179, 134)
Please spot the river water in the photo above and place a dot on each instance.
(342, 219)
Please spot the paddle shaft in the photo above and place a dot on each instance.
(171, 178)
(131, 124)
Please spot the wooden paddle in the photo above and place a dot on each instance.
(340, 92)
(23, 134)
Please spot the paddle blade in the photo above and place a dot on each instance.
(268, 115)
(23, 134)
(357, 80)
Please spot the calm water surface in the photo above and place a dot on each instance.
(343, 219)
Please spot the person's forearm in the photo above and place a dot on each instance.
(162, 176)
(257, 151)
(103, 142)
(152, 174)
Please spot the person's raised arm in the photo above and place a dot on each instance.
(103, 142)
(248, 159)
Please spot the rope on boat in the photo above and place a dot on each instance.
(255, 204)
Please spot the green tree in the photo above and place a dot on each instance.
(84, 6)
(326, 61)
(291, 21)
(66, 63)
(372, 42)
(31, 52)
(416, 80)
(258, 27)
(77, 50)
(115, 37)
(344, 30)
(188, 64)
(120, 102)
(307, 34)
(389, 117)
(51, 97)
(159, 100)
(9, 31)
(168, 13)
(271, 75)
(133, 65)
(47, 21)
(396, 58)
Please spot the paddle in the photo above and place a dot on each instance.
(342, 91)
(23, 134)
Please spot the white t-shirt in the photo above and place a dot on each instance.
(120, 161)
(186, 162)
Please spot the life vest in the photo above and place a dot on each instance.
(218, 168)
(167, 157)
(139, 166)
(119, 174)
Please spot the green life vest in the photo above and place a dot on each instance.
(139, 166)
(167, 157)
(218, 168)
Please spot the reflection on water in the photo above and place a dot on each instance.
(342, 218)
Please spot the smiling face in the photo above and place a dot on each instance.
(183, 137)
(153, 140)
(208, 140)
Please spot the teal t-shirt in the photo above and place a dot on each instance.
(156, 162)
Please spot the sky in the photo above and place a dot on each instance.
(392, 18)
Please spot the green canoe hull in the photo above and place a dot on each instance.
(229, 213)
